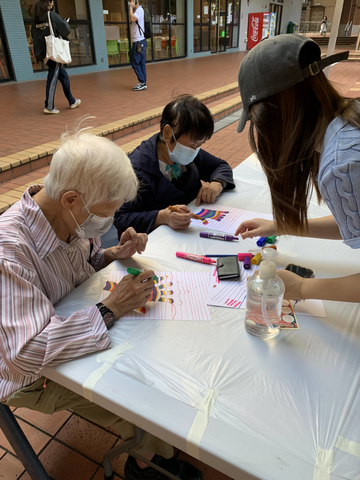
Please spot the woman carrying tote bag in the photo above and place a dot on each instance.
(39, 31)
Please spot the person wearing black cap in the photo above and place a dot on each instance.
(306, 135)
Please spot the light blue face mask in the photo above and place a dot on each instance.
(94, 226)
(181, 154)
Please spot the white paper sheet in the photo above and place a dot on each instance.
(177, 296)
(224, 219)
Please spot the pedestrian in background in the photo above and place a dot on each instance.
(39, 31)
(323, 26)
(139, 44)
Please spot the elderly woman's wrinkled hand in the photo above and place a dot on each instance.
(131, 243)
(130, 293)
(208, 192)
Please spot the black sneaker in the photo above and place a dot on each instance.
(140, 86)
(132, 471)
(179, 468)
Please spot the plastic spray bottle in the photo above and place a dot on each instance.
(265, 292)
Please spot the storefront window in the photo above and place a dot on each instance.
(201, 25)
(168, 30)
(168, 18)
(5, 71)
(216, 25)
(80, 37)
(117, 31)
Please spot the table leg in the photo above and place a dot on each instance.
(126, 447)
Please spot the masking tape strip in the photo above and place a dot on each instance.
(348, 446)
(108, 357)
(200, 423)
(323, 466)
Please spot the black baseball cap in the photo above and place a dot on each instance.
(276, 64)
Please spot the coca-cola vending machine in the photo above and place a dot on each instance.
(261, 25)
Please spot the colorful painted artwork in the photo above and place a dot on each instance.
(224, 219)
(176, 296)
(207, 214)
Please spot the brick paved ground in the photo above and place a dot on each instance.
(70, 447)
(109, 96)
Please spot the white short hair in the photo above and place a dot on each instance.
(93, 166)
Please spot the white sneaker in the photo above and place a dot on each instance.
(140, 86)
(76, 104)
(54, 110)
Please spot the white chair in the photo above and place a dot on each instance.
(158, 47)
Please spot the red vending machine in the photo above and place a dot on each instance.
(261, 25)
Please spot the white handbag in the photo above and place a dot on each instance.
(57, 49)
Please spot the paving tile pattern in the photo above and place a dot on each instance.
(69, 447)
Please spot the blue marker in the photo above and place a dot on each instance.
(261, 241)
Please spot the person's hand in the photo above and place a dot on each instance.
(257, 227)
(292, 284)
(132, 4)
(130, 243)
(208, 192)
(130, 293)
(179, 220)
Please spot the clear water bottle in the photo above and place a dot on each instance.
(265, 292)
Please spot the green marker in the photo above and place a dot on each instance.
(136, 271)
(271, 239)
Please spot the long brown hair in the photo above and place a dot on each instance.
(39, 10)
(287, 131)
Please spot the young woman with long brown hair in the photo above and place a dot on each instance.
(306, 136)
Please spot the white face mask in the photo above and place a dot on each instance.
(94, 226)
(181, 154)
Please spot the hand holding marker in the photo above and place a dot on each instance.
(193, 215)
(136, 271)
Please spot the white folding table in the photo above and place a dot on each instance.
(285, 408)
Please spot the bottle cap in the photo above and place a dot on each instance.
(267, 268)
(269, 253)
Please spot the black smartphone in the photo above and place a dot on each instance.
(227, 267)
(301, 271)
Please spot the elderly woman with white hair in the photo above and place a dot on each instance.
(49, 244)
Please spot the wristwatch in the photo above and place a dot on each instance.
(223, 182)
(107, 314)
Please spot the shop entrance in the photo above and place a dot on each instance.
(5, 66)
(216, 25)
(275, 8)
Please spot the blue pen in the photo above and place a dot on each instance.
(232, 255)
(261, 241)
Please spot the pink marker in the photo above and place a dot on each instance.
(241, 256)
(195, 258)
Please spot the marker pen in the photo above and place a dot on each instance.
(247, 263)
(261, 241)
(241, 256)
(256, 259)
(218, 236)
(196, 258)
(220, 255)
(136, 271)
(271, 239)
(193, 215)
